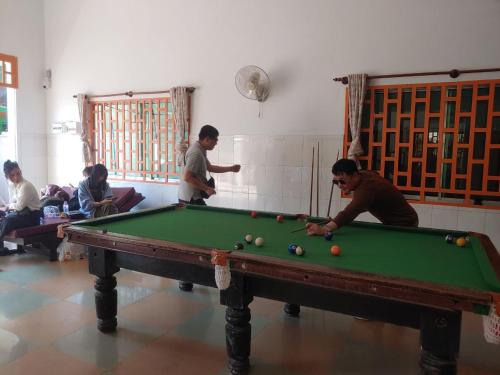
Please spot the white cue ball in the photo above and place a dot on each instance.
(248, 238)
(299, 251)
(259, 241)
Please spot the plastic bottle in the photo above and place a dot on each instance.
(66, 208)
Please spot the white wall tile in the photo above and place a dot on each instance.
(240, 180)
(293, 151)
(226, 149)
(274, 204)
(444, 217)
(292, 182)
(213, 155)
(221, 199)
(275, 151)
(257, 202)
(224, 181)
(242, 150)
(329, 146)
(424, 212)
(492, 227)
(241, 201)
(291, 206)
(258, 146)
(471, 219)
(273, 183)
(256, 179)
(307, 150)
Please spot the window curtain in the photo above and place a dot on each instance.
(180, 110)
(357, 91)
(83, 109)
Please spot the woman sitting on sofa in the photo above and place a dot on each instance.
(95, 195)
(24, 207)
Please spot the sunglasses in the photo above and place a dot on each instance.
(339, 182)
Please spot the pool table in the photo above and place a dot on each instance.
(405, 276)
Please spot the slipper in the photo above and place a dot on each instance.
(6, 252)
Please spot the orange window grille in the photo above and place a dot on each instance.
(438, 143)
(136, 139)
(8, 71)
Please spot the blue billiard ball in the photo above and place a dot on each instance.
(291, 248)
(328, 236)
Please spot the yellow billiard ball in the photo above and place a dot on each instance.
(461, 242)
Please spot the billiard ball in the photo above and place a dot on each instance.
(461, 242)
(248, 238)
(299, 251)
(238, 246)
(328, 236)
(335, 250)
(280, 218)
(259, 241)
(449, 238)
(253, 214)
(291, 248)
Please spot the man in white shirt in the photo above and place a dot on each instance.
(24, 207)
(194, 185)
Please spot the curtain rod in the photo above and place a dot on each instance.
(454, 73)
(132, 93)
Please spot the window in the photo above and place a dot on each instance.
(135, 139)
(436, 142)
(3, 110)
(8, 71)
(8, 79)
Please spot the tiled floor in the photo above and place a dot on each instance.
(48, 326)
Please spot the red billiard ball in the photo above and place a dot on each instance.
(280, 218)
(253, 214)
(335, 250)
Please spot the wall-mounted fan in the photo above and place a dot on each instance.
(253, 83)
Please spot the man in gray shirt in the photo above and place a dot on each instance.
(194, 182)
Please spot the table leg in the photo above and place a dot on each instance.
(185, 286)
(440, 339)
(291, 309)
(102, 265)
(106, 302)
(238, 337)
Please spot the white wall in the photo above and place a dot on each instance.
(22, 35)
(114, 46)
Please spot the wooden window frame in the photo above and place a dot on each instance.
(14, 73)
(453, 195)
(133, 124)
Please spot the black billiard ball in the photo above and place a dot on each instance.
(449, 238)
(238, 246)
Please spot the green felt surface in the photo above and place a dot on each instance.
(417, 254)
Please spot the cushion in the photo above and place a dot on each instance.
(135, 200)
(49, 225)
(122, 195)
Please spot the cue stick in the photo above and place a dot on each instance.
(312, 179)
(331, 191)
(303, 228)
(317, 183)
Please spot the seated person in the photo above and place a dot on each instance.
(53, 195)
(74, 203)
(95, 195)
(24, 207)
(371, 193)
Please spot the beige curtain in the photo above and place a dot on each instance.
(357, 90)
(83, 109)
(180, 110)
